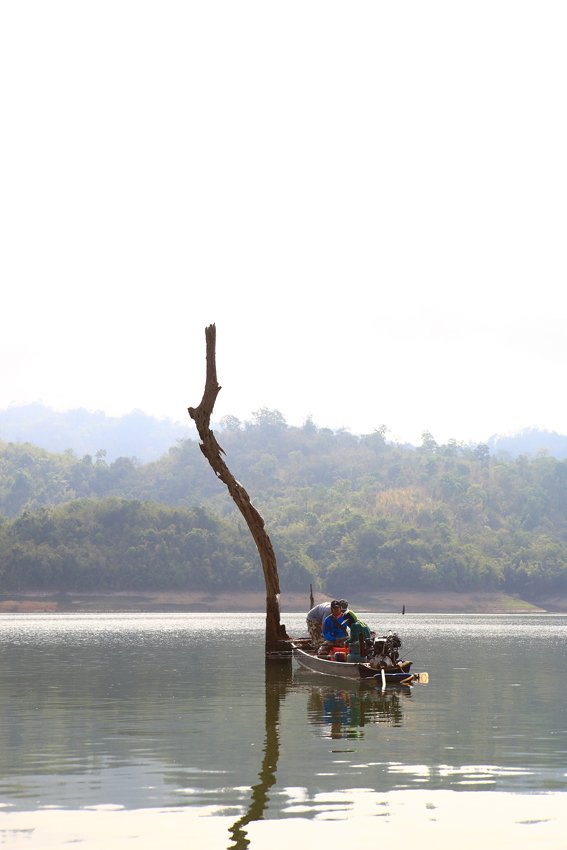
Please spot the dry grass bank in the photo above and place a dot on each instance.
(414, 602)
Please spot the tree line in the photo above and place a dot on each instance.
(341, 510)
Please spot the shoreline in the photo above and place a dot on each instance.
(416, 602)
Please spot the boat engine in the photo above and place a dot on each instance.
(385, 651)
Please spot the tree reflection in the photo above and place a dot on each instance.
(278, 678)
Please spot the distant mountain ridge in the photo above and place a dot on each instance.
(134, 435)
(139, 435)
(530, 442)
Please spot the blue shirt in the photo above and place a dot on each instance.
(333, 629)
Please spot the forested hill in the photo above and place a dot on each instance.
(342, 511)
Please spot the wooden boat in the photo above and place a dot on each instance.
(384, 666)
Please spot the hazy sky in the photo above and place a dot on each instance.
(367, 198)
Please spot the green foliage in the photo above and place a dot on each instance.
(114, 544)
(356, 512)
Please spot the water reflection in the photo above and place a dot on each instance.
(278, 680)
(337, 713)
(344, 712)
(148, 712)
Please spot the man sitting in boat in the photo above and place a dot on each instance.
(334, 632)
(315, 619)
(359, 633)
(317, 616)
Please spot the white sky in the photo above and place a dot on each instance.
(368, 198)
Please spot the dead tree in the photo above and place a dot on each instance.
(275, 632)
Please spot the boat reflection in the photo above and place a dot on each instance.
(343, 712)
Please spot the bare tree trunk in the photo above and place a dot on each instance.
(275, 632)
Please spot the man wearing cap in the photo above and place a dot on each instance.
(316, 617)
(333, 629)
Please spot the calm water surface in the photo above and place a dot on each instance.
(154, 711)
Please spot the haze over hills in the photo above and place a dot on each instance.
(146, 438)
(135, 435)
(530, 442)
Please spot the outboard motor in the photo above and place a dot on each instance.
(385, 652)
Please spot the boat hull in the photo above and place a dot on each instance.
(348, 670)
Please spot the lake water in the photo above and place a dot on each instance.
(164, 731)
